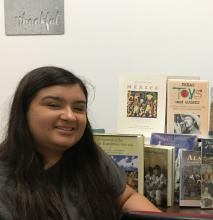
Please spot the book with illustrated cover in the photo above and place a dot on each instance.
(159, 174)
(188, 106)
(142, 104)
(207, 173)
(128, 152)
(190, 178)
(178, 141)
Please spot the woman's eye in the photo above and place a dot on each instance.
(54, 105)
(79, 109)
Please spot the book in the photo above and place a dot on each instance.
(179, 141)
(142, 101)
(159, 174)
(211, 114)
(207, 173)
(190, 178)
(128, 152)
(98, 130)
(182, 77)
(188, 106)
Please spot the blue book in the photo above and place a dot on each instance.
(179, 141)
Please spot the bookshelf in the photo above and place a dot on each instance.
(182, 210)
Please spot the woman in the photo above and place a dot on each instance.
(51, 167)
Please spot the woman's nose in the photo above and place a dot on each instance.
(68, 114)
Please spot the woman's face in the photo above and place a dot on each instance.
(57, 119)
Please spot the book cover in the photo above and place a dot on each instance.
(128, 152)
(178, 141)
(142, 101)
(158, 174)
(188, 106)
(190, 178)
(207, 173)
(211, 114)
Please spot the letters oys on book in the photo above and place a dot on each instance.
(188, 106)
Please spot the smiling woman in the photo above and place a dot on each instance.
(57, 120)
(50, 166)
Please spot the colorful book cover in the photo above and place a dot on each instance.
(207, 173)
(190, 178)
(127, 152)
(158, 174)
(178, 141)
(142, 101)
(188, 106)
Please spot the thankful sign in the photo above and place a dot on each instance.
(29, 17)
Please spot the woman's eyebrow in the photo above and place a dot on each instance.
(53, 97)
(58, 98)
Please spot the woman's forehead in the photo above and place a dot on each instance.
(69, 91)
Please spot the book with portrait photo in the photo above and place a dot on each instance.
(188, 106)
(179, 141)
(190, 178)
(141, 106)
(207, 173)
(128, 152)
(159, 174)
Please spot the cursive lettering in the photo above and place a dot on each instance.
(44, 18)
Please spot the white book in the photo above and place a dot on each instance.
(142, 104)
(188, 106)
(159, 174)
(128, 152)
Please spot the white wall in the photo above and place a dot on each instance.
(106, 38)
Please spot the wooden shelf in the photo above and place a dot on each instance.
(190, 210)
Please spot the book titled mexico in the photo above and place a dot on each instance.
(128, 152)
(159, 174)
(185, 141)
(142, 104)
(188, 106)
(190, 178)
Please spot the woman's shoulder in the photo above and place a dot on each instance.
(113, 173)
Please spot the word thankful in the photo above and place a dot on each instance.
(44, 18)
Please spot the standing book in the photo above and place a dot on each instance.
(207, 173)
(190, 178)
(178, 141)
(142, 101)
(159, 174)
(128, 152)
(211, 114)
(188, 106)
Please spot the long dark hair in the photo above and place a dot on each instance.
(32, 195)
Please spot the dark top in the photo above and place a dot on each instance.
(114, 174)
